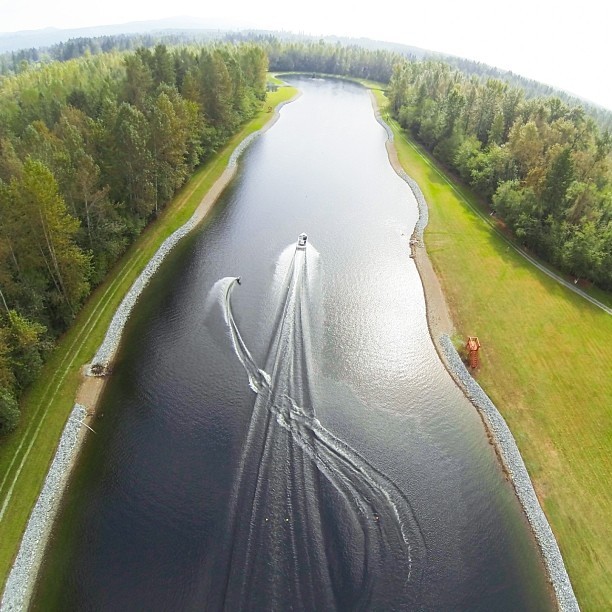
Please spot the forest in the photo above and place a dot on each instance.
(544, 167)
(308, 47)
(90, 151)
(93, 147)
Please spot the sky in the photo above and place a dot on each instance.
(561, 44)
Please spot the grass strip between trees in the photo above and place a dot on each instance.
(546, 364)
(25, 455)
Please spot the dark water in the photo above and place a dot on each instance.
(292, 442)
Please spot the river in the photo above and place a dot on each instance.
(293, 441)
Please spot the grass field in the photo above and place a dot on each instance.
(25, 455)
(546, 363)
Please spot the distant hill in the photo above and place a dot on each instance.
(192, 28)
(27, 39)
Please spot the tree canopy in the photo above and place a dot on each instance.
(91, 150)
(93, 147)
(544, 166)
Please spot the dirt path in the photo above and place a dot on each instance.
(439, 319)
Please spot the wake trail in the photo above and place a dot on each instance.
(313, 524)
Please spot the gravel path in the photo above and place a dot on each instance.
(494, 422)
(20, 582)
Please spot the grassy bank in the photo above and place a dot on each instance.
(26, 454)
(547, 356)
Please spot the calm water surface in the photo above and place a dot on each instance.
(292, 442)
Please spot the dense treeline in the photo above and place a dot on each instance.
(544, 166)
(532, 88)
(361, 49)
(320, 57)
(285, 54)
(90, 151)
(13, 62)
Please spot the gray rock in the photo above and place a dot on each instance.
(423, 219)
(503, 438)
(20, 582)
(515, 467)
(22, 576)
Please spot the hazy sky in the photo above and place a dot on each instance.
(562, 44)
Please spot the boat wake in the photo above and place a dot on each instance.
(314, 524)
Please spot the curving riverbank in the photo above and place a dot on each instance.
(20, 583)
(440, 327)
(22, 577)
(515, 467)
(105, 355)
(477, 428)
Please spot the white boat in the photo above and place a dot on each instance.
(301, 243)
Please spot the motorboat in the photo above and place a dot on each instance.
(302, 239)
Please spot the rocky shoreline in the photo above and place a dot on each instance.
(517, 472)
(493, 420)
(102, 361)
(423, 219)
(105, 355)
(20, 582)
(22, 577)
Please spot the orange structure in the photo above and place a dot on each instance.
(473, 344)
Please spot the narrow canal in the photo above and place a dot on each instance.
(292, 442)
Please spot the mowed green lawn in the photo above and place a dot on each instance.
(546, 363)
(25, 455)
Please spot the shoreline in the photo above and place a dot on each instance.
(92, 385)
(441, 327)
(105, 355)
(21, 580)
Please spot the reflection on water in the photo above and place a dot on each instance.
(300, 487)
(374, 473)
